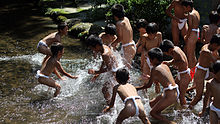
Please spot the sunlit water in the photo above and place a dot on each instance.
(24, 100)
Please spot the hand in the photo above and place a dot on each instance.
(186, 38)
(106, 109)
(75, 77)
(201, 114)
(62, 78)
(94, 78)
(145, 77)
(91, 71)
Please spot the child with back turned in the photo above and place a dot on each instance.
(213, 90)
(180, 62)
(162, 74)
(50, 65)
(128, 94)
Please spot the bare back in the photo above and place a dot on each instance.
(109, 59)
(124, 30)
(162, 74)
(194, 17)
(126, 90)
(206, 58)
(51, 38)
(215, 91)
(180, 58)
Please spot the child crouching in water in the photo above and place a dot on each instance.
(128, 94)
(50, 65)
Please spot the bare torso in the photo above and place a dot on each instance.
(163, 75)
(206, 59)
(149, 44)
(194, 15)
(51, 38)
(49, 66)
(109, 58)
(180, 58)
(125, 30)
(208, 32)
(178, 9)
(126, 90)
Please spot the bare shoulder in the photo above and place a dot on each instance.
(159, 34)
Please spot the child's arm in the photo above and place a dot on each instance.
(61, 70)
(190, 24)
(206, 99)
(119, 35)
(169, 63)
(102, 69)
(149, 84)
(112, 100)
(57, 74)
(169, 9)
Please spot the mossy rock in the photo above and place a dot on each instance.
(54, 13)
(79, 28)
(60, 19)
(95, 29)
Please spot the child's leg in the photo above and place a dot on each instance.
(106, 92)
(213, 117)
(129, 53)
(57, 73)
(190, 49)
(155, 100)
(183, 85)
(184, 30)
(157, 87)
(162, 104)
(124, 114)
(51, 83)
(175, 32)
(142, 114)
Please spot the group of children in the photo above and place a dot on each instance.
(154, 69)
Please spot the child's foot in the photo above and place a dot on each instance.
(57, 91)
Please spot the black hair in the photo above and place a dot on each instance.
(93, 40)
(55, 48)
(110, 29)
(166, 45)
(216, 66)
(141, 23)
(61, 26)
(156, 53)
(215, 39)
(187, 3)
(122, 76)
(213, 17)
(152, 28)
(118, 10)
(218, 9)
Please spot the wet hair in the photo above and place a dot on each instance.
(55, 48)
(156, 53)
(110, 29)
(213, 17)
(187, 3)
(61, 26)
(166, 45)
(216, 66)
(152, 28)
(93, 40)
(118, 10)
(215, 39)
(122, 76)
(218, 9)
(141, 23)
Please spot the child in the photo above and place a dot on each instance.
(44, 44)
(213, 90)
(193, 31)
(206, 59)
(181, 63)
(48, 67)
(141, 26)
(179, 20)
(109, 36)
(124, 34)
(109, 64)
(209, 30)
(128, 94)
(161, 73)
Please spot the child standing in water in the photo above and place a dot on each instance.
(109, 36)
(50, 65)
(161, 73)
(109, 64)
(128, 94)
(180, 62)
(213, 90)
(206, 59)
(124, 34)
(141, 26)
(192, 34)
(179, 20)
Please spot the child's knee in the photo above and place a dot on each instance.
(58, 87)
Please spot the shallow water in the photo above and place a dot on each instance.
(24, 100)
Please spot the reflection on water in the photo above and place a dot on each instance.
(24, 100)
